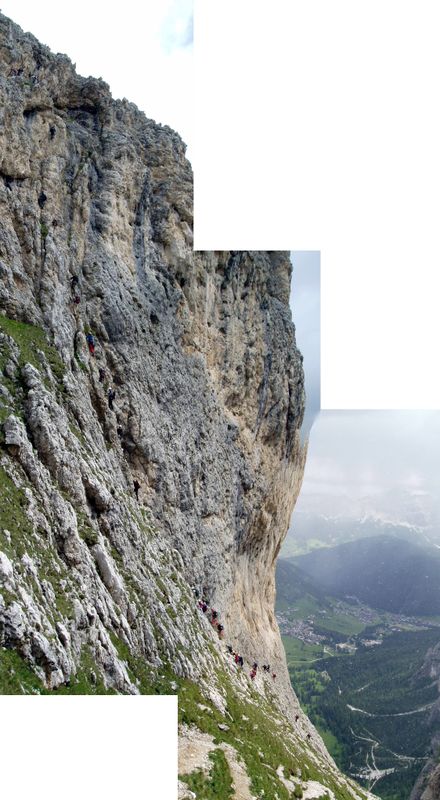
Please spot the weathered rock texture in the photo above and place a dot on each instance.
(96, 589)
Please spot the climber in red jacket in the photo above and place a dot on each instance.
(91, 343)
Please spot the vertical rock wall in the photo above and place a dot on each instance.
(97, 589)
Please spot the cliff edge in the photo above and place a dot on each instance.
(150, 405)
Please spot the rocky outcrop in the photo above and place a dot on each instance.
(102, 292)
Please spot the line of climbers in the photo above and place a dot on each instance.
(238, 659)
(214, 620)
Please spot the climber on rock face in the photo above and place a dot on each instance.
(101, 375)
(136, 487)
(220, 630)
(111, 394)
(91, 343)
(253, 673)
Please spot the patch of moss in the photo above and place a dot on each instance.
(79, 434)
(216, 785)
(5, 411)
(32, 341)
(13, 518)
(139, 671)
(88, 534)
(8, 597)
(16, 676)
(81, 364)
(5, 353)
(87, 680)
(44, 230)
(171, 613)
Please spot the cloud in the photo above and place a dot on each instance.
(358, 453)
(177, 31)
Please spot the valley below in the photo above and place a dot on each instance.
(367, 677)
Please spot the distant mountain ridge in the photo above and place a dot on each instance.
(293, 583)
(386, 572)
(310, 531)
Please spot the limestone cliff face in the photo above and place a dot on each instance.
(97, 589)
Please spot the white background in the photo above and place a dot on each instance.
(317, 127)
(88, 748)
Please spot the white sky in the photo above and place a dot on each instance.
(365, 452)
(305, 301)
(377, 456)
(142, 50)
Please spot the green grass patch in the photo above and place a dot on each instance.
(298, 651)
(79, 434)
(81, 363)
(13, 517)
(88, 534)
(31, 339)
(304, 607)
(340, 623)
(215, 786)
(16, 676)
(141, 673)
(87, 679)
(331, 742)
